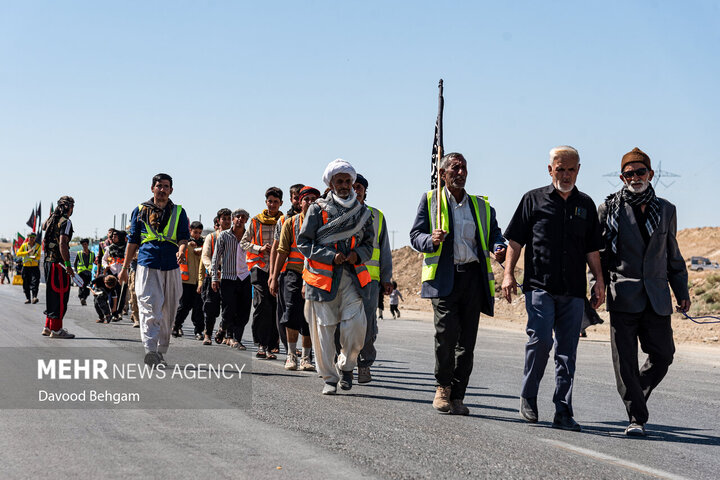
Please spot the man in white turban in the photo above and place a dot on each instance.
(336, 239)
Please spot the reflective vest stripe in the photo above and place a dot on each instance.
(319, 275)
(373, 265)
(431, 260)
(256, 259)
(295, 257)
(82, 266)
(169, 234)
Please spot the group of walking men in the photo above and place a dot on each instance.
(630, 247)
(316, 272)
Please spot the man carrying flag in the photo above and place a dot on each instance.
(456, 275)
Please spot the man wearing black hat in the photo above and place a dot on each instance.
(640, 257)
(380, 268)
(83, 266)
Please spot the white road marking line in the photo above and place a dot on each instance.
(614, 460)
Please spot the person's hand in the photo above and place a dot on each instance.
(438, 236)
(273, 285)
(180, 258)
(509, 286)
(684, 306)
(192, 244)
(215, 285)
(70, 271)
(352, 258)
(123, 277)
(597, 296)
(199, 289)
(339, 258)
(388, 288)
(265, 248)
(500, 252)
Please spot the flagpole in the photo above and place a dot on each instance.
(439, 189)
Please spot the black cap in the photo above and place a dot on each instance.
(84, 240)
(362, 181)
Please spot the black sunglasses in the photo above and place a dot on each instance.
(640, 172)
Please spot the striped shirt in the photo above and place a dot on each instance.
(228, 260)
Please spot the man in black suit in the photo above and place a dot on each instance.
(456, 275)
(639, 258)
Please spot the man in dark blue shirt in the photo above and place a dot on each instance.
(159, 233)
(558, 226)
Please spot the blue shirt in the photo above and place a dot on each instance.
(156, 254)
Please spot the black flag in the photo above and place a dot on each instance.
(437, 140)
(39, 223)
(31, 221)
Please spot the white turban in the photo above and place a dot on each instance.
(338, 166)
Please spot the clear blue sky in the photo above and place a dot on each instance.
(231, 97)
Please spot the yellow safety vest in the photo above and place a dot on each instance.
(82, 266)
(26, 251)
(431, 260)
(373, 265)
(169, 234)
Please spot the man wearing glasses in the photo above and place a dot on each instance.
(640, 256)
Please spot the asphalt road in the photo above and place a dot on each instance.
(387, 429)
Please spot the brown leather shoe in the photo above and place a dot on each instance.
(457, 407)
(441, 403)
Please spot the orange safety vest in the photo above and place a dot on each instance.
(295, 256)
(184, 271)
(258, 259)
(319, 274)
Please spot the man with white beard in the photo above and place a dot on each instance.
(558, 226)
(336, 240)
(639, 258)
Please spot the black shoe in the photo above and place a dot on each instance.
(528, 409)
(152, 359)
(175, 333)
(83, 302)
(347, 380)
(564, 421)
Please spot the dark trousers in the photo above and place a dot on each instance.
(57, 294)
(235, 306)
(293, 315)
(265, 305)
(456, 325)
(368, 353)
(102, 305)
(563, 315)
(656, 340)
(190, 300)
(84, 292)
(280, 310)
(31, 281)
(211, 304)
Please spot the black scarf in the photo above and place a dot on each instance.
(614, 204)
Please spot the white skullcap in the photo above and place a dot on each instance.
(338, 166)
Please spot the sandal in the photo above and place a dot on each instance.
(260, 353)
(220, 335)
(207, 341)
(241, 346)
(233, 344)
(271, 356)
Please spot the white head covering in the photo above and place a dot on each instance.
(338, 166)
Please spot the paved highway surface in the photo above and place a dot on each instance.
(386, 429)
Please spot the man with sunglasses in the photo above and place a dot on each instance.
(639, 258)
